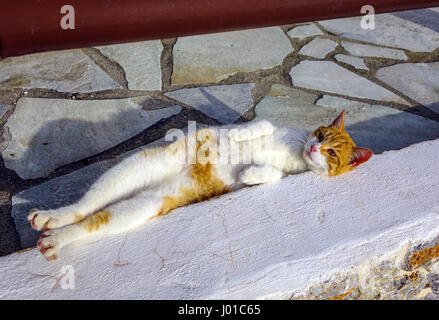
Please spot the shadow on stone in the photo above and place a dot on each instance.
(424, 17)
(377, 127)
(8, 236)
(36, 153)
(227, 113)
(391, 132)
(224, 103)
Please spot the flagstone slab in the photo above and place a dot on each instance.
(417, 34)
(214, 57)
(140, 61)
(328, 76)
(64, 71)
(282, 104)
(419, 81)
(224, 103)
(49, 133)
(305, 31)
(318, 48)
(364, 50)
(357, 63)
(373, 126)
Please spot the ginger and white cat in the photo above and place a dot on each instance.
(154, 181)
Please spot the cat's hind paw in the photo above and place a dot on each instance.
(42, 220)
(49, 245)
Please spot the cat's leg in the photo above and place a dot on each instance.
(258, 174)
(139, 170)
(116, 218)
(251, 130)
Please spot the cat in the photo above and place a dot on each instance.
(152, 182)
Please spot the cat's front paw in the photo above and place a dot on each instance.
(42, 220)
(239, 134)
(265, 128)
(49, 245)
(252, 131)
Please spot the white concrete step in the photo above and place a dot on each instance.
(259, 242)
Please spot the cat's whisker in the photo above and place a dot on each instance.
(302, 139)
(305, 137)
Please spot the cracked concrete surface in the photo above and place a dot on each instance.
(229, 247)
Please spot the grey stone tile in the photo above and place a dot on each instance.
(49, 133)
(416, 30)
(224, 103)
(290, 107)
(364, 50)
(327, 76)
(305, 31)
(357, 63)
(419, 81)
(214, 57)
(140, 61)
(64, 71)
(318, 48)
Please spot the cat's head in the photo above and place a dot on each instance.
(329, 151)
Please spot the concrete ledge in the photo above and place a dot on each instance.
(260, 242)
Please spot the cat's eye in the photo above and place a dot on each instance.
(331, 153)
(320, 137)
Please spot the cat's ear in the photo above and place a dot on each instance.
(338, 122)
(359, 156)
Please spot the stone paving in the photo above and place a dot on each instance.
(67, 116)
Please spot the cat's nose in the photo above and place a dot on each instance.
(314, 148)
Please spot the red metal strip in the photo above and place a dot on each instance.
(28, 26)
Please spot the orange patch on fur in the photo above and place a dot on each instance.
(419, 258)
(205, 182)
(186, 196)
(94, 221)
